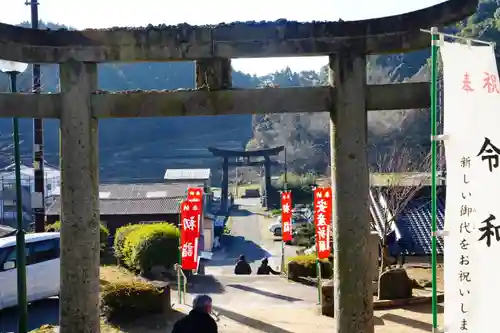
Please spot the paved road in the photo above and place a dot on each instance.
(39, 313)
(249, 236)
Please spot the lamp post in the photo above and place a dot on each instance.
(13, 69)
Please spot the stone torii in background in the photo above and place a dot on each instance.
(226, 154)
(80, 105)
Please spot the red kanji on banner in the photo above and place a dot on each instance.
(190, 228)
(322, 218)
(466, 83)
(491, 83)
(286, 216)
(194, 193)
(191, 217)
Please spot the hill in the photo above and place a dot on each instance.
(144, 148)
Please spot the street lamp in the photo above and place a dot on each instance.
(13, 69)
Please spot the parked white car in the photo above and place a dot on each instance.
(297, 220)
(42, 268)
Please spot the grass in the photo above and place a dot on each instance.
(113, 274)
(105, 328)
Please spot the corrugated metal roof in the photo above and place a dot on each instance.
(128, 206)
(136, 191)
(413, 224)
(186, 174)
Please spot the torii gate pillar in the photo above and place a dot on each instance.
(79, 298)
(267, 180)
(353, 298)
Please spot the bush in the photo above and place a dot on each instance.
(103, 232)
(275, 212)
(151, 245)
(305, 266)
(130, 299)
(119, 241)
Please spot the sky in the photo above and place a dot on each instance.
(127, 13)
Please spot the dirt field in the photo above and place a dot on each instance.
(426, 274)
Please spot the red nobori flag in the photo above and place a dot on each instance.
(194, 194)
(189, 252)
(286, 216)
(191, 217)
(322, 218)
(189, 234)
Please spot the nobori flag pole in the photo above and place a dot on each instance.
(318, 265)
(434, 69)
(13, 69)
(436, 36)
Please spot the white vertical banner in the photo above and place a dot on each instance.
(472, 129)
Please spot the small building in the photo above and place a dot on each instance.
(192, 177)
(409, 234)
(122, 204)
(30, 200)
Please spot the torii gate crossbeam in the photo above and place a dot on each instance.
(79, 105)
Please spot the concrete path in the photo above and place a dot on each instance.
(247, 237)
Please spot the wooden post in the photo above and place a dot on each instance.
(353, 297)
(79, 298)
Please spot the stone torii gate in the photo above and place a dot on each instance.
(80, 105)
(226, 154)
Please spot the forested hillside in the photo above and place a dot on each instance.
(143, 148)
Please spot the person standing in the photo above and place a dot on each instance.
(199, 319)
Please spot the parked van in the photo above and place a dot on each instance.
(42, 267)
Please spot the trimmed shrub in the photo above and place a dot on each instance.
(103, 232)
(305, 266)
(130, 300)
(119, 241)
(151, 245)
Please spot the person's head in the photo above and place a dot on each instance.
(203, 303)
(265, 262)
(242, 258)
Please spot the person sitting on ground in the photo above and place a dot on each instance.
(265, 269)
(242, 267)
(198, 320)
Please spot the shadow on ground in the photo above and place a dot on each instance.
(250, 322)
(150, 324)
(45, 312)
(264, 293)
(205, 284)
(238, 211)
(423, 308)
(407, 321)
(237, 245)
(413, 323)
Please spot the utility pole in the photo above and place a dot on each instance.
(38, 164)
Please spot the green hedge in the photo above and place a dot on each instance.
(129, 300)
(119, 241)
(103, 232)
(305, 266)
(151, 245)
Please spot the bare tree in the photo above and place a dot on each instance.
(400, 173)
